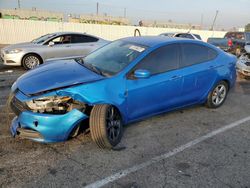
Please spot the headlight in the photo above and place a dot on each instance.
(54, 104)
(15, 51)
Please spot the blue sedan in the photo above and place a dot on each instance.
(125, 81)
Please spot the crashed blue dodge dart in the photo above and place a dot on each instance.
(122, 82)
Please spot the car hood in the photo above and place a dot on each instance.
(54, 75)
(21, 45)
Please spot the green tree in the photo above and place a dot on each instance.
(247, 28)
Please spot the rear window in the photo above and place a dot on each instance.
(167, 34)
(235, 35)
(197, 36)
(248, 37)
(195, 53)
(185, 35)
(83, 39)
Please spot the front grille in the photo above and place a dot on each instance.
(247, 63)
(18, 106)
(1, 58)
(28, 133)
(10, 61)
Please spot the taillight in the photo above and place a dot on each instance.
(230, 43)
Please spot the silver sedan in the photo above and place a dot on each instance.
(243, 64)
(50, 46)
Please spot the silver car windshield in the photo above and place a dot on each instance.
(43, 38)
(248, 37)
(112, 58)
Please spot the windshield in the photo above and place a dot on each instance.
(248, 37)
(42, 38)
(113, 57)
(197, 36)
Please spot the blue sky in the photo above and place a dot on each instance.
(231, 12)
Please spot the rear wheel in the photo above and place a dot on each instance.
(218, 95)
(106, 126)
(31, 61)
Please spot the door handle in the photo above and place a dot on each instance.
(211, 67)
(175, 77)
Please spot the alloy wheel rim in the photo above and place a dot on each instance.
(32, 62)
(219, 94)
(113, 120)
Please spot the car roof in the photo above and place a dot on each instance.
(66, 32)
(152, 41)
(69, 32)
(168, 33)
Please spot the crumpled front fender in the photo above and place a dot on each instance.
(51, 127)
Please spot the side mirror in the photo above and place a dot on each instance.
(51, 43)
(141, 73)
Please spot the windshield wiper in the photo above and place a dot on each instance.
(95, 69)
(89, 66)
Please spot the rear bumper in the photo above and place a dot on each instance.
(46, 127)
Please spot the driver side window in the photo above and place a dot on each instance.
(63, 39)
(161, 60)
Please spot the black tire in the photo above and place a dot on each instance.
(222, 95)
(103, 127)
(30, 61)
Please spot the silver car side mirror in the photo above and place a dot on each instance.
(51, 44)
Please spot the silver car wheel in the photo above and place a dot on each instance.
(31, 62)
(219, 94)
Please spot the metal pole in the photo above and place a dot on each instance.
(201, 21)
(97, 8)
(125, 12)
(217, 12)
(19, 4)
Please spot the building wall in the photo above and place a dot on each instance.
(29, 14)
(15, 31)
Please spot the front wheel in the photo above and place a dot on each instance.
(106, 126)
(31, 61)
(218, 95)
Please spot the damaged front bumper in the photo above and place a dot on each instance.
(243, 67)
(46, 127)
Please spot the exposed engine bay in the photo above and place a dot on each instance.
(55, 105)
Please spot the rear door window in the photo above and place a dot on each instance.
(161, 60)
(196, 53)
(185, 35)
(83, 39)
